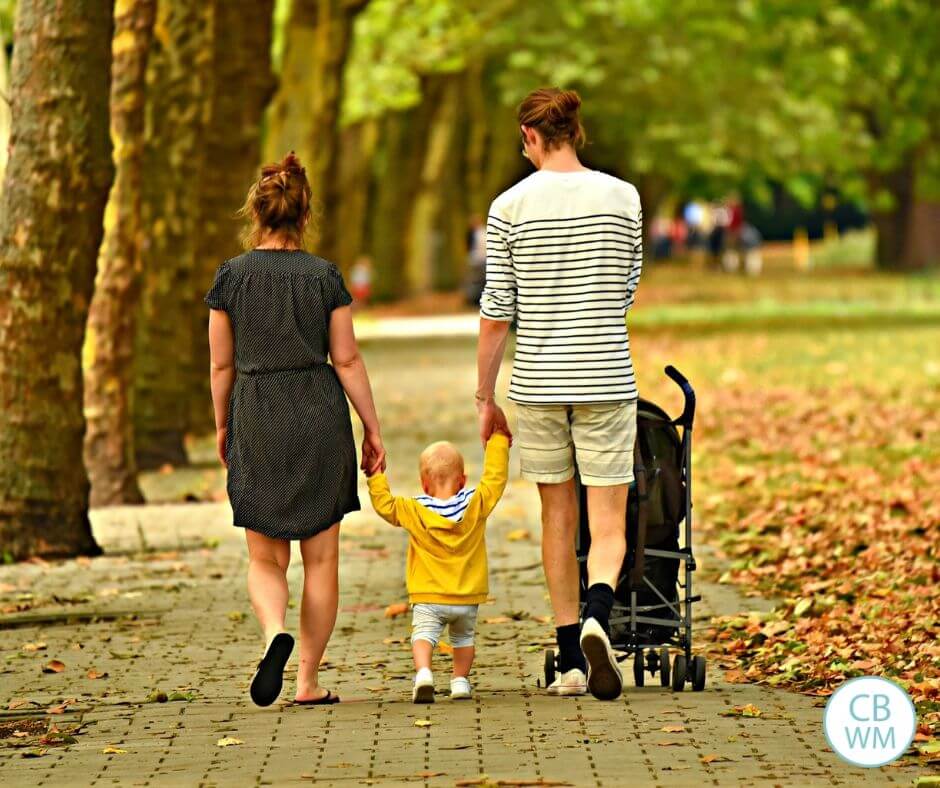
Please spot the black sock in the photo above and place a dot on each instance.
(569, 648)
(598, 603)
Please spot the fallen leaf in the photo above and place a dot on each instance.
(55, 666)
(929, 748)
(713, 758)
(33, 646)
(445, 648)
(422, 723)
(94, 674)
(36, 752)
(673, 729)
(228, 741)
(113, 751)
(519, 535)
(749, 710)
(669, 743)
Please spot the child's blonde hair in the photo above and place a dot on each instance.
(441, 461)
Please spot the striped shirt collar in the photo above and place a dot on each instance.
(452, 508)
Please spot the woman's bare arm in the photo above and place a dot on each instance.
(351, 371)
(221, 372)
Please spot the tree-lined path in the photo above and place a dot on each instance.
(165, 611)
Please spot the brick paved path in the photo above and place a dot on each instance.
(166, 611)
(179, 621)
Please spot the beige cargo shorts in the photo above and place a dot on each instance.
(599, 437)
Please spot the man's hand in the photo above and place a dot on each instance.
(492, 419)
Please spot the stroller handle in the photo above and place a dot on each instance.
(688, 409)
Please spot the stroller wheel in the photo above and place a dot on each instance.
(638, 675)
(664, 666)
(698, 673)
(678, 673)
(549, 666)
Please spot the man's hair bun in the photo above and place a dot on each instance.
(555, 114)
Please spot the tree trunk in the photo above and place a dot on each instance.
(358, 149)
(4, 111)
(894, 250)
(109, 338)
(164, 345)
(55, 189)
(925, 234)
(305, 113)
(477, 113)
(427, 236)
(399, 158)
(653, 189)
(239, 85)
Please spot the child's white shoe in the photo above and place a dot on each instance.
(423, 690)
(460, 688)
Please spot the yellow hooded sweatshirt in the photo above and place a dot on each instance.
(447, 560)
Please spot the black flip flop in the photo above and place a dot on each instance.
(266, 685)
(327, 700)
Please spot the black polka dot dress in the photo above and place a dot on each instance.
(290, 450)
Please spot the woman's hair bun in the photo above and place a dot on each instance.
(279, 200)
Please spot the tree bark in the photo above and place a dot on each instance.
(399, 158)
(55, 189)
(305, 112)
(4, 112)
(239, 85)
(894, 249)
(164, 346)
(358, 150)
(427, 233)
(109, 338)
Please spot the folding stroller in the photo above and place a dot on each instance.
(652, 612)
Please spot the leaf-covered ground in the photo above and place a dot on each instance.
(817, 469)
(817, 460)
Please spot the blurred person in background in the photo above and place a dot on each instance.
(751, 241)
(360, 281)
(476, 259)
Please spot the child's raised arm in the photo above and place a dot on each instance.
(495, 472)
(387, 506)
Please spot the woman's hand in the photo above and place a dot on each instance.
(221, 438)
(373, 454)
(492, 419)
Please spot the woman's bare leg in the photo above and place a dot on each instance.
(318, 608)
(268, 560)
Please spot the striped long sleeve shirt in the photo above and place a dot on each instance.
(564, 255)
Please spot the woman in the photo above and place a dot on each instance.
(282, 422)
(564, 254)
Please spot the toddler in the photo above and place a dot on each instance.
(446, 568)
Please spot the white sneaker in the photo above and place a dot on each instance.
(460, 688)
(423, 690)
(571, 682)
(604, 679)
